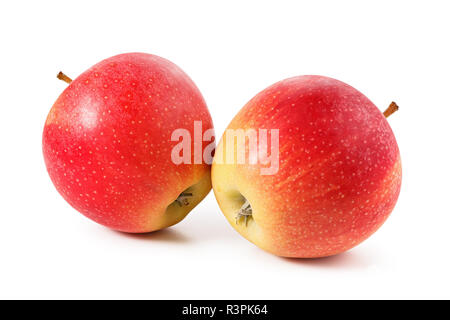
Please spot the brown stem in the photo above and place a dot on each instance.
(63, 77)
(391, 109)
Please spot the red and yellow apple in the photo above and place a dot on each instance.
(337, 178)
(107, 143)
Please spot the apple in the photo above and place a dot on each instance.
(107, 143)
(337, 176)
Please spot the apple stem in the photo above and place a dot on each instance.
(63, 77)
(393, 107)
(245, 211)
(183, 199)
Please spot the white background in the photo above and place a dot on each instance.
(389, 50)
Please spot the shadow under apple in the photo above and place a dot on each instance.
(164, 235)
(353, 259)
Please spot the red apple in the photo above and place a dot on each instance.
(107, 143)
(337, 176)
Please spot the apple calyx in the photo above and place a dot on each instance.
(245, 211)
(63, 77)
(183, 199)
(393, 107)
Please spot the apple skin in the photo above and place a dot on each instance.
(339, 169)
(107, 143)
